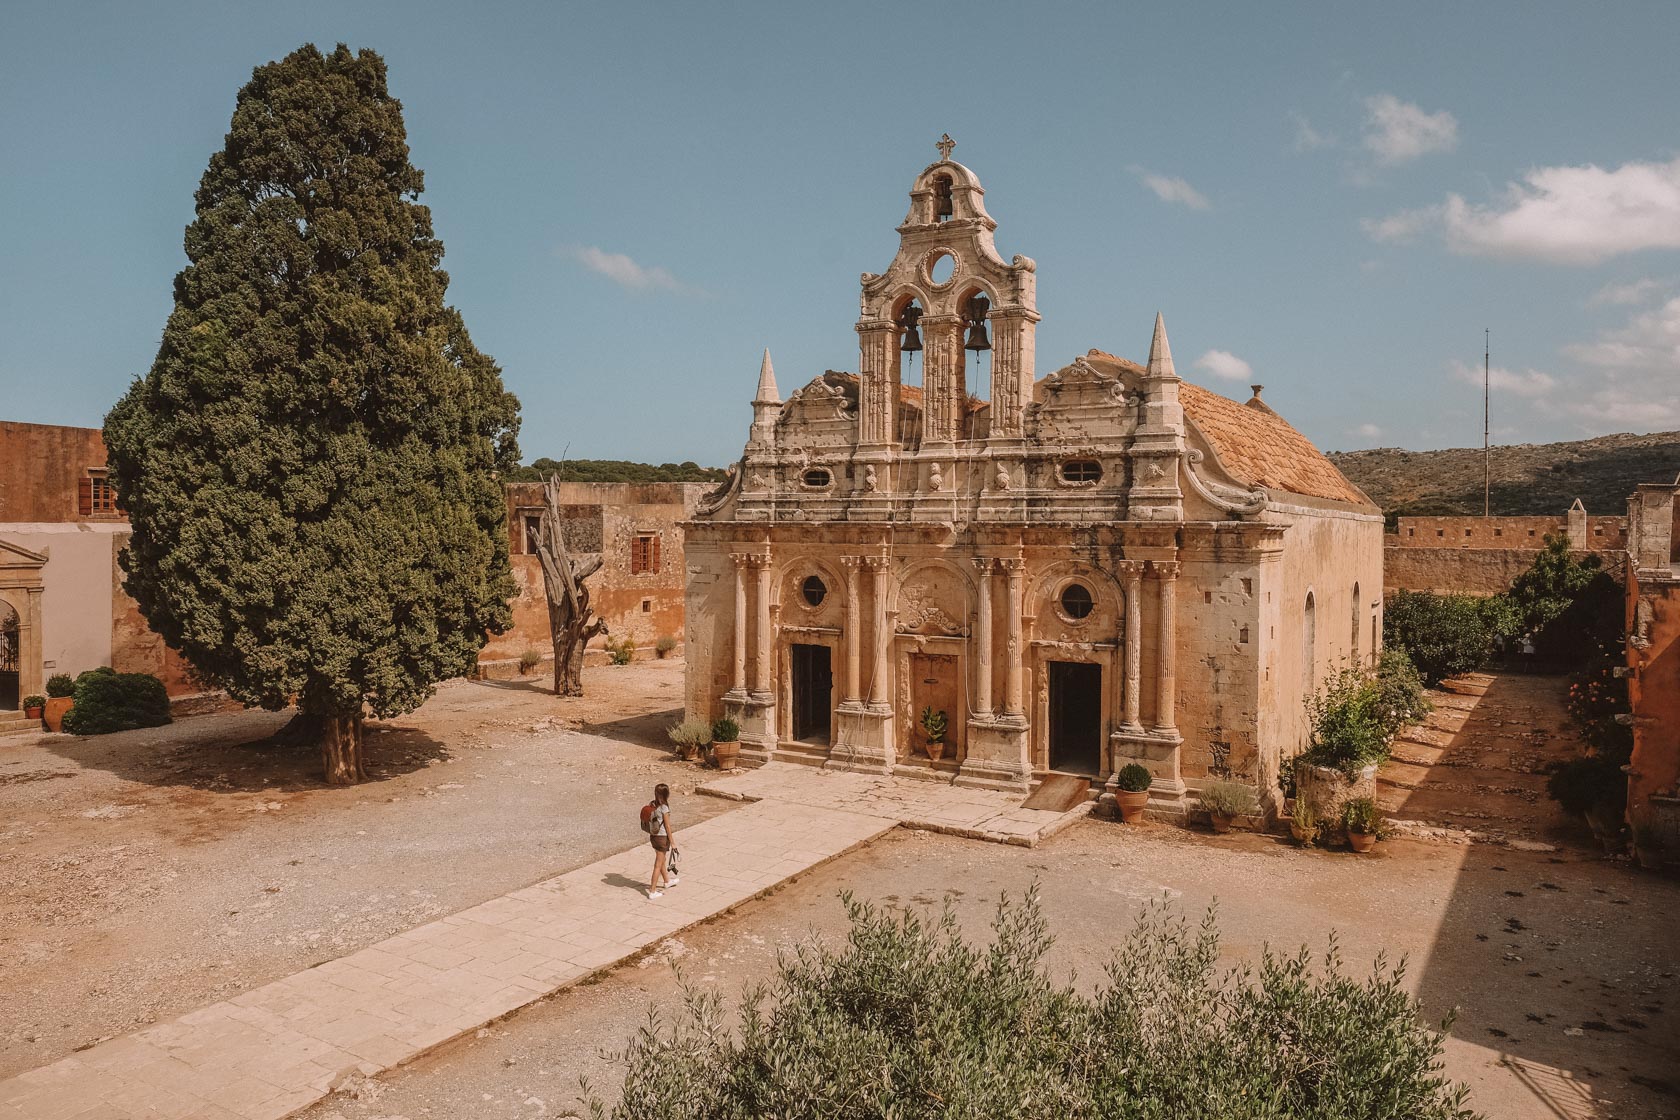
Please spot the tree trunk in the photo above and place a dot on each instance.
(569, 623)
(342, 756)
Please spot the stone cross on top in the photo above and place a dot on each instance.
(945, 145)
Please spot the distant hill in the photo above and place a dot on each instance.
(1528, 478)
(614, 470)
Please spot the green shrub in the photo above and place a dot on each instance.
(1305, 820)
(934, 724)
(1229, 799)
(1400, 691)
(726, 730)
(907, 1020)
(690, 733)
(1582, 783)
(664, 645)
(621, 652)
(1133, 778)
(1445, 635)
(60, 685)
(33, 702)
(1360, 815)
(530, 659)
(1350, 726)
(107, 701)
(1566, 603)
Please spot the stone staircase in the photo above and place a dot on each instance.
(16, 723)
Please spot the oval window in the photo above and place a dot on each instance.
(818, 478)
(1077, 601)
(940, 268)
(814, 590)
(1081, 470)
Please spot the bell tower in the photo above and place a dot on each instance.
(946, 294)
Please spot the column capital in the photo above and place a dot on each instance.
(984, 564)
(852, 563)
(1011, 564)
(877, 563)
(1164, 569)
(1129, 569)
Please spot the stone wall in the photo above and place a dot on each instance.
(1653, 657)
(1606, 534)
(41, 468)
(1482, 555)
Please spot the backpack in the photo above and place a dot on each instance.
(647, 816)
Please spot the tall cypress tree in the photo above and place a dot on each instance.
(310, 466)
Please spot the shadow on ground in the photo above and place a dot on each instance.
(1550, 949)
(201, 754)
(648, 730)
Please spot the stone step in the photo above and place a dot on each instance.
(802, 754)
(21, 725)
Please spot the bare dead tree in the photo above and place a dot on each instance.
(569, 622)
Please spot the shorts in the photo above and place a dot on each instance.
(660, 843)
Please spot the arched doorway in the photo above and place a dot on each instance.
(10, 658)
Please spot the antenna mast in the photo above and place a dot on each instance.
(1487, 452)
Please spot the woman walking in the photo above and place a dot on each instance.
(659, 835)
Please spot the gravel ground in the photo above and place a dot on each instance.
(152, 872)
(1532, 948)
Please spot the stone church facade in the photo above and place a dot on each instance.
(1104, 565)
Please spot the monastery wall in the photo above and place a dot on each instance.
(41, 470)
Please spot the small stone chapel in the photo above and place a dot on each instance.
(1101, 566)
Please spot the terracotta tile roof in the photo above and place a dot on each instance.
(1260, 447)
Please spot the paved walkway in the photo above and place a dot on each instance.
(265, 1054)
(933, 805)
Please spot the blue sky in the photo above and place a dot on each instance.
(1331, 199)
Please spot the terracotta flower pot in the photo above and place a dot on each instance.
(935, 748)
(1221, 822)
(32, 713)
(726, 755)
(54, 713)
(688, 752)
(1131, 805)
(1361, 841)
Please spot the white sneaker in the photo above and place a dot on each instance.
(672, 881)
(655, 894)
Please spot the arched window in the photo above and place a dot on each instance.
(1353, 642)
(1309, 644)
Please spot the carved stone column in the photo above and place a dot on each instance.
(762, 654)
(944, 391)
(738, 687)
(1132, 572)
(854, 633)
(878, 369)
(1166, 638)
(983, 640)
(880, 674)
(1016, 641)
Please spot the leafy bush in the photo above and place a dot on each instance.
(1445, 635)
(1305, 820)
(1596, 781)
(1400, 691)
(1582, 783)
(664, 645)
(621, 652)
(1360, 815)
(107, 701)
(1565, 602)
(1350, 725)
(1229, 799)
(690, 733)
(530, 659)
(934, 723)
(1133, 778)
(34, 702)
(726, 730)
(60, 685)
(907, 1020)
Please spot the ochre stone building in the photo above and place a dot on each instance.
(1483, 555)
(1104, 565)
(1653, 656)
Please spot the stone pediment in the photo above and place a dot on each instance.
(16, 556)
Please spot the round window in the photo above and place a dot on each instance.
(940, 268)
(814, 590)
(1077, 601)
(818, 478)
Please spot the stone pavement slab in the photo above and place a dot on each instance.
(269, 1052)
(979, 814)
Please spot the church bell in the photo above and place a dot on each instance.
(974, 310)
(908, 318)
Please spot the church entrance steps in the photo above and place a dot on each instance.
(978, 814)
(803, 754)
(19, 725)
(273, 1051)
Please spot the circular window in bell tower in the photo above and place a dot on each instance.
(940, 267)
(814, 590)
(1076, 601)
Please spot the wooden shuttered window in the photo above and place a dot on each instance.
(644, 554)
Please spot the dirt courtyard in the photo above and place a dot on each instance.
(153, 872)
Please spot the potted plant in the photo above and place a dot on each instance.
(663, 647)
(61, 697)
(726, 743)
(1131, 792)
(1360, 819)
(1352, 727)
(1303, 823)
(933, 732)
(32, 706)
(1226, 801)
(691, 737)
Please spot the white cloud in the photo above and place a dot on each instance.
(1170, 188)
(1528, 383)
(1223, 363)
(1565, 215)
(1649, 342)
(622, 270)
(1307, 137)
(1398, 132)
(1624, 294)
(1368, 431)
